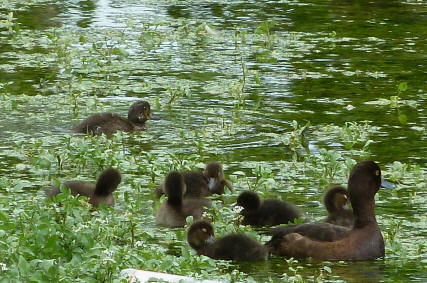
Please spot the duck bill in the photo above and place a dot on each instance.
(210, 240)
(387, 184)
(211, 184)
(154, 116)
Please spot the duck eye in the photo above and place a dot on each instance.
(377, 172)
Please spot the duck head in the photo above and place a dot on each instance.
(336, 199)
(249, 201)
(363, 183)
(139, 112)
(200, 234)
(215, 175)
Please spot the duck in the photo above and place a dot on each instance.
(237, 247)
(99, 193)
(211, 181)
(363, 241)
(336, 202)
(174, 211)
(267, 212)
(108, 123)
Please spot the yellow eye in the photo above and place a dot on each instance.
(377, 172)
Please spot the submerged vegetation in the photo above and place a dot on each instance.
(270, 101)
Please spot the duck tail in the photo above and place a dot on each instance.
(108, 181)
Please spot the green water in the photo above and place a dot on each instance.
(238, 87)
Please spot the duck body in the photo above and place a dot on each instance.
(174, 210)
(363, 242)
(336, 201)
(267, 212)
(99, 193)
(109, 123)
(172, 215)
(236, 247)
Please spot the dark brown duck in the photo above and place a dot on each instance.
(109, 123)
(99, 193)
(363, 242)
(236, 247)
(267, 212)
(174, 210)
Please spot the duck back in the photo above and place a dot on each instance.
(86, 189)
(104, 123)
(271, 212)
(236, 247)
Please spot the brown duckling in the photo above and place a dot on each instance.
(108, 123)
(236, 247)
(363, 242)
(174, 210)
(211, 181)
(99, 193)
(336, 203)
(267, 212)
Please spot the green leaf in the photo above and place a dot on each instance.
(403, 119)
(328, 269)
(23, 266)
(402, 86)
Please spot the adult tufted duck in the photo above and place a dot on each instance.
(363, 242)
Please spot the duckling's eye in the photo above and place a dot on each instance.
(377, 172)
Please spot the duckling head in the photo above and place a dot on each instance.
(139, 112)
(249, 201)
(214, 174)
(200, 234)
(336, 198)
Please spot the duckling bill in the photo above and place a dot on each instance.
(236, 247)
(109, 123)
(99, 193)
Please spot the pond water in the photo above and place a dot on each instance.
(234, 81)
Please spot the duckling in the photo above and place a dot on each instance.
(268, 212)
(236, 247)
(109, 123)
(212, 181)
(336, 202)
(174, 210)
(99, 193)
(362, 242)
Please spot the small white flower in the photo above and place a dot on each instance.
(237, 208)
(3, 266)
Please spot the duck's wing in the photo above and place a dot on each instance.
(315, 231)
